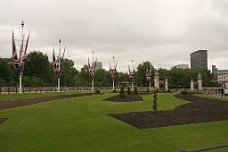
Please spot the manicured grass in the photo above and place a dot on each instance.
(81, 124)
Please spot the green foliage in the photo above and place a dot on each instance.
(135, 90)
(140, 75)
(156, 90)
(184, 92)
(169, 90)
(97, 91)
(102, 78)
(37, 66)
(32, 81)
(147, 90)
(128, 91)
(114, 91)
(155, 101)
(122, 93)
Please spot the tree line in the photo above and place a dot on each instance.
(38, 73)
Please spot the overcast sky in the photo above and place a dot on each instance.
(163, 32)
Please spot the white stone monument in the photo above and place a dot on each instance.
(156, 80)
(200, 82)
(166, 85)
(192, 85)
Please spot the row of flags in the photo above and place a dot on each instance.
(19, 61)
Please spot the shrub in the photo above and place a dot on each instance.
(156, 90)
(184, 92)
(122, 93)
(155, 101)
(135, 90)
(128, 91)
(147, 90)
(97, 91)
(114, 91)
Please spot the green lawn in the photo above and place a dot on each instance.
(82, 125)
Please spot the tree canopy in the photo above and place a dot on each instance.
(38, 72)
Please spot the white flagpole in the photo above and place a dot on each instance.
(93, 68)
(59, 65)
(132, 84)
(113, 79)
(20, 59)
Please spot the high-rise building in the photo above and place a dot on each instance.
(98, 66)
(199, 59)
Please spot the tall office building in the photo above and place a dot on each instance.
(98, 66)
(199, 59)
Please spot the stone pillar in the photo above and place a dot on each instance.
(156, 80)
(166, 85)
(226, 85)
(192, 85)
(200, 82)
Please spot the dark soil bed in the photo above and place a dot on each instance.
(128, 98)
(199, 110)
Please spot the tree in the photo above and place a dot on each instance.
(102, 78)
(8, 75)
(68, 73)
(83, 79)
(140, 76)
(37, 65)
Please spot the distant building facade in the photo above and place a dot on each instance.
(181, 66)
(199, 59)
(215, 70)
(223, 79)
(98, 66)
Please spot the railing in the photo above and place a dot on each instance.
(206, 149)
(8, 90)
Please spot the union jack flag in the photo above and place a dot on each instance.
(113, 72)
(19, 62)
(55, 64)
(148, 74)
(14, 53)
(131, 74)
(91, 69)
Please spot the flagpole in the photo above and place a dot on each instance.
(93, 68)
(59, 65)
(113, 81)
(20, 59)
(132, 84)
